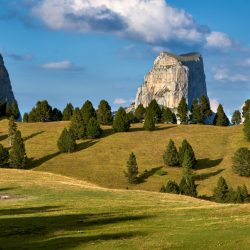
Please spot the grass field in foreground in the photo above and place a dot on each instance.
(48, 211)
(103, 161)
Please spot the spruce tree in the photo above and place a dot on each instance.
(246, 110)
(32, 115)
(66, 142)
(77, 125)
(93, 129)
(185, 146)
(132, 169)
(88, 112)
(14, 109)
(4, 156)
(241, 162)
(25, 117)
(168, 116)
(43, 111)
(140, 113)
(12, 130)
(244, 192)
(221, 191)
(121, 121)
(68, 112)
(171, 187)
(220, 117)
(17, 157)
(170, 156)
(155, 108)
(149, 123)
(182, 111)
(246, 130)
(56, 115)
(236, 118)
(8, 111)
(104, 113)
(205, 108)
(196, 116)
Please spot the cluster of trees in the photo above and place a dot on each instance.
(15, 157)
(8, 109)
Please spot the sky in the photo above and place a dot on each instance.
(73, 50)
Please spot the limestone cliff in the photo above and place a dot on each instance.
(171, 78)
(6, 93)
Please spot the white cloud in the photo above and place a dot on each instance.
(153, 21)
(214, 104)
(120, 101)
(218, 40)
(224, 74)
(62, 65)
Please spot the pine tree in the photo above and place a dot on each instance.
(121, 121)
(241, 162)
(185, 146)
(17, 158)
(104, 113)
(168, 116)
(77, 125)
(170, 156)
(25, 117)
(88, 112)
(8, 111)
(149, 123)
(43, 111)
(182, 111)
(68, 112)
(246, 130)
(14, 109)
(221, 191)
(132, 169)
(93, 129)
(155, 108)
(188, 161)
(4, 156)
(244, 192)
(205, 108)
(171, 187)
(66, 142)
(56, 115)
(246, 110)
(12, 130)
(236, 118)
(32, 115)
(140, 112)
(196, 116)
(220, 117)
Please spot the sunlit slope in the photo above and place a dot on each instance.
(103, 161)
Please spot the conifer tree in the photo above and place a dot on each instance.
(244, 192)
(182, 111)
(66, 142)
(241, 162)
(77, 125)
(168, 116)
(220, 117)
(236, 118)
(8, 111)
(17, 157)
(14, 109)
(12, 130)
(93, 129)
(132, 169)
(68, 112)
(43, 111)
(104, 113)
(140, 113)
(185, 146)
(87, 111)
(170, 156)
(155, 108)
(171, 187)
(246, 130)
(246, 110)
(121, 121)
(25, 117)
(205, 108)
(4, 156)
(221, 191)
(149, 123)
(56, 115)
(196, 116)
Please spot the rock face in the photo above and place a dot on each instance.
(171, 78)
(6, 93)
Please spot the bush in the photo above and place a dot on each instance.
(66, 142)
(170, 156)
(4, 156)
(241, 162)
(246, 130)
(93, 129)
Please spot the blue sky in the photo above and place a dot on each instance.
(70, 51)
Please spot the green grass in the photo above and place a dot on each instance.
(49, 211)
(103, 161)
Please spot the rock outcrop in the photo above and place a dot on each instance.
(6, 93)
(171, 78)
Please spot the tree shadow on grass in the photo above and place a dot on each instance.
(207, 163)
(3, 137)
(7, 189)
(147, 173)
(204, 176)
(157, 128)
(32, 135)
(85, 145)
(37, 232)
(36, 163)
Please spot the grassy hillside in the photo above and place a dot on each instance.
(103, 161)
(48, 211)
